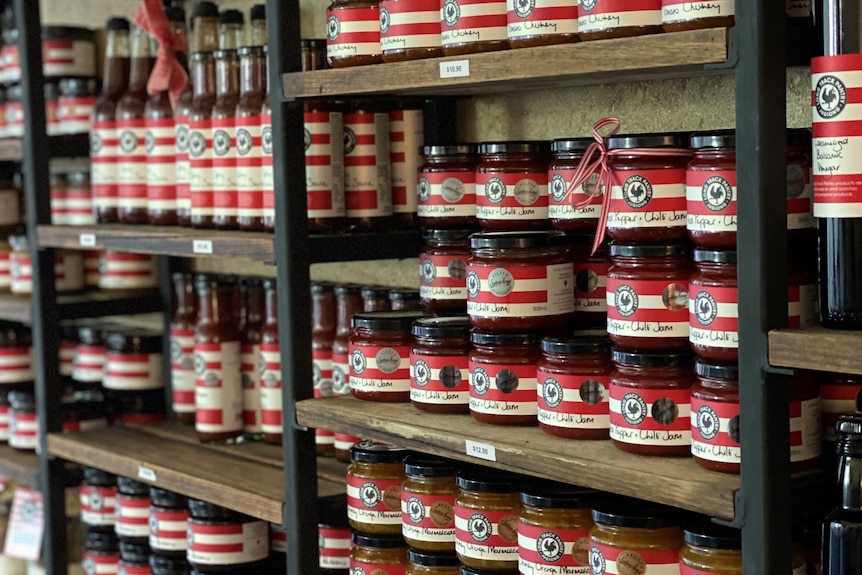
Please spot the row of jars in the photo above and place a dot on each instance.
(68, 105)
(67, 52)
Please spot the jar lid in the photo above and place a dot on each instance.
(322, 287)
(716, 371)
(557, 495)
(387, 320)
(517, 147)
(200, 56)
(117, 23)
(663, 359)
(432, 559)
(101, 541)
(90, 335)
(425, 466)
(22, 400)
(231, 17)
(571, 144)
(488, 480)
(134, 552)
(577, 345)
(448, 150)
(375, 291)
(332, 511)
(205, 510)
(224, 54)
(715, 256)
(380, 541)
(73, 33)
(454, 327)
(629, 512)
(712, 535)
(99, 478)
(247, 51)
(629, 141)
(163, 564)
(258, 12)
(720, 139)
(205, 10)
(348, 289)
(137, 340)
(164, 498)
(313, 43)
(514, 240)
(447, 235)
(404, 294)
(129, 486)
(372, 452)
(487, 338)
(640, 251)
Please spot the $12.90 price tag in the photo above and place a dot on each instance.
(481, 450)
(455, 69)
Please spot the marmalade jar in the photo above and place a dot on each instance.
(503, 378)
(650, 402)
(439, 370)
(374, 481)
(601, 19)
(841, 394)
(711, 548)
(542, 22)
(483, 29)
(486, 518)
(378, 554)
(572, 388)
(711, 194)
(443, 271)
(715, 417)
(677, 15)
(409, 29)
(568, 153)
(243, 542)
(591, 282)
(446, 186)
(353, 33)
(427, 504)
(431, 563)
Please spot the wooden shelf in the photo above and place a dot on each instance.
(679, 482)
(817, 348)
(11, 149)
(86, 304)
(659, 56)
(19, 466)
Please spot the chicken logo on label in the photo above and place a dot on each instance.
(221, 142)
(349, 140)
(830, 97)
(707, 422)
(128, 141)
(480, 381)
(96, 501)
(552, 392)
(479, 527)
(333, 28)
(358, 362)
(95, 142)
(429, 271)
(550, 546)
(495, 190)
(89, 566)
(183, 138)
(370, 494)
(717, 193)
(523, 8)
(634, 408)
(626, 300)
(197, 144)
(589, 5)
(451, 12)
(150, 141)
(637, 192)
(415, 510)
(266, 140)
(597, 561)
(558, 187)
(422, 373)
(705, 308)
(474, 284)
(243, 142)
(384, 20)
(424, 189)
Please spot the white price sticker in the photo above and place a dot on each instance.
(481, 450)
(455, 69)
(202, 247)
(146, 473)
(87, 240)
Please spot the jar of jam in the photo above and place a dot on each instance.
(101, 553)
(5, 266)
(483, 27)
(98, 497)
(447, 186)
(650, 401)
(376, 298)
(542, 23)
(503, 377)
(380, 355)
(801, 224)
(427, 503)
(409, 29)
(77, 100)
(841, 394)
(443, 271)
(554, 529)
(334, 535)
(353, 33)
(134, 559)
(404, 299)
(367, 162)
(137, 407)
(68, 268)
(677, 15)
(5, 419)
(164, 565)
(439, 370)
(133, 511)
(432, 563)
(59, 208)
(169, 515)
(374, 481)
(133, 361)
(378, 554)
(715, 417)
(713, 300)
(591, 281)
(92, 273)
(520, 281)
(572, 388)
(182, 336)
(486, 519)
(711, 548)
(69, 52)
(79, 199)
(711, 190)
(648, 296)
(512, 185)
(271, 394)
(567, 156)
(23, 421)
(323, 324)
(52, 103)
(601, 19)
(16, 354)
(124, 271)
(243, 542)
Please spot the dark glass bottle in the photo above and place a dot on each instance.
(270, 379)
(182, 336)
(842, 529)
(225, 197)
(249, 163)
(250, 325)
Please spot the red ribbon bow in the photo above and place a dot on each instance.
(167, 74)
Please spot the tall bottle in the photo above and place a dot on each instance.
(258, 25)
(183, 325)
(104, 139)
(348, 302)
(249, 162)
(842, 529)
(225, 195)
(323, 324)
(266, 162)
(250, 326)
(270, 361)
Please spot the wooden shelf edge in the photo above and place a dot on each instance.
(817, 348)
(19, 466)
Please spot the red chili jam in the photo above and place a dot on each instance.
(439, 374)
(133, 511)
(715, 417)
(568, 154)
(713, 301)
(97, 495)
(591, 282)
(503, 378)
(101, 553)
(711, 191)
(447, 186)
(840, 394)
(374, 481)
(443, 271)
(512, 185)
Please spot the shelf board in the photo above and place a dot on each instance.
(86, 304)
(19, 466)
(679, 482)
(817, 348)
(11, 149)
(658, 56)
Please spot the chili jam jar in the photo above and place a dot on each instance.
(486, 519)
(471, 28)
(677, 15)
(374, 481)
(16, 354)
(380, 355)
(572, 389)
(169, 517)
(378, 554)
(512, 185)
(409, 29)
(713, 300)
(439, 370)
(428, 503)
(98, 495)
(242, 541)
(443, 270)
(353, 33)
(591, 283)
(567, 156)
(432, 563)
(503, 378)
(715, 417)
(520, 281)
(711, 195)
(133, 511)
(600, 19)
(446, 186)
(650, 402)
(648, 296)
(23, 421)
(133, 361)
(542, 23)
(101, 553)
(711, 548)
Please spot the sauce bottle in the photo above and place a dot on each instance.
(225, 197)
(367, 171)
(183, 324)
(258, 25)
(270, 384)
(348, 301)
(266, 169)
(231, 31)
(323, 323)
(842, 529)
(406, 136)
(250, 325)
(249, 161)
(204, 43)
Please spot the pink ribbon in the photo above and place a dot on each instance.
(168, 73)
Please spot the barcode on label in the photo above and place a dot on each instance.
(146, 473)
(88, 240)
(202, 247)
(455, 69)
(481, 450)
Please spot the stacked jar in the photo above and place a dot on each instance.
(19, 426)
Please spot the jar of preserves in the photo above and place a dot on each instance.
(520, 281)
(182, 336)
(92, 274)
(271, 394)
(374, 481)
(432, 563)
(483, 28)
(405, 299)
(68, 268)
(132, 505)
(427, 503)
(447, 186)
(16, 354)
(23, 421)
(124, 271)
(715, 417)
(169, 515)
(52, 103)
(409, 29)
(713, 301)
(841, 394)
(650, 401)
(98, 497)
(602, 19)
(134, 559)
(101, 553)
(439, 370)
(567, 156)
(542, 23)
(165, 565)
(353, 33)
(5, 266)
(88, 365)
(711, 548)
(133, 361)
(5, 419)
(378, 554)
(79, 199)
(243, 541)
(77, 100)
(334, 535)
(323, 324)
(486, 519)
(591, 281)
(59, 204)
(677, 15)
(572, 388)
(503, 377)
(443, 271)
(376, 298)
(648, 296)
(69, 52)
(711, 190)
(631, 532)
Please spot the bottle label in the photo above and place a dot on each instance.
(659, 417)
(800, 197)
(446, 194)
(486, 535)
(412, 26)
(133, 371)
(322, 375)
(266, 167)
(104, 152)
(23, 430)
(837, 399)
(168, 530)
(218, 387)
(521, 196)
(231, 544)
(183, 169)
(713, 316)
(519, 291)
(74, 113)
(100, 564)
(676, 11)
(406, 137)
(799, 9)
(270, 388)
(379, 369)
(10, 71)
(201, 157)
(5, 419)
(340, 373)
(502, 389)
(324, 164)
(352, 32)
(648, 308)
(79, 207)
(374, 501)
(183, 370)
(225, 197)
(363, 568)
(443, 277)
(805, 430)
(596, 15)
(64, 58)
(250, 374)
(428, 517)
(89, 363)
(249, 167)
(133, 516)
(98, 505)
(715, 431)
(648, 199)
(555, 551)
(803, 306)
(334, 548)
(541, 18)
(161, 165)
(606, 560)
(16, 365)
(367, 171)
(573, 401)
(469, 21)
(591, 281)
(124, 271)
(439, 379)
(561, 206)
(711, 200)
(132, 166)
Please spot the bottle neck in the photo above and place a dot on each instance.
(205, 34)
(203, 77)
(254, 304)
(141, 62)
(230, 36)
(186, 298)
(227, 76)
(252, 75)
(116, 77)
(207, 304)
(258, 32)
(271, 307)
(850, 480)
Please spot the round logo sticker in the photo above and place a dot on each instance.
(244, 142)
(421, 373)
(558, 187)
(339, 380)
(474, 284)
(384, 20)
(200, 365)
(705, 308)
(717, 193)
(451, 12)
(830, 97)
(589, 5)
(495, 190)
(665, 411)
(708, 423)
(637, 192)
(176, 349)
(452, 190)
(95, 142)
(266, 140)
(333, 28)
(480, 381)
(457, 269)
(501, 282)
(415, 510)
(96, 501)
(429, 271)
(154, 524)
(507, 381)
(150, 141)
(597, 558)
(221, 142)
(388, 360)
(523, 8)
(634, 408)
(183, 138)
(349, 140)
(552, 392)
(586, 281)
(89, 566)
(626, 300)
(450, 376)
(370, 494)
(527, 192)
(550, 547)
(631, 563)
(197, 144)
(479, 527)
(424, 189)
(128, 141)
(358, 363)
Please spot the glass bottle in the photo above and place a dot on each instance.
(258, 25)
(182, 336)
(270, 384)
(205, 21)
(250, 325)
(231, 31)
(249, 161)
(201, 185)
(225, 197)
(266, 170)
(842, 529)
(322, 335)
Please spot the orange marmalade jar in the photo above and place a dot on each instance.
(374, 488)
(428, 503)
(378, 554)
(439, 371)
(431, 563)
(503, 378)
(711, 549)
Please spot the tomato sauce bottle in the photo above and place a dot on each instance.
(183, 325)
(225, 197)
(266, 163)
(249, 160)
(250, 326)
(204, 43)
(270, 379)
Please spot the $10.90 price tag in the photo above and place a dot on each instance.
(455, 69)
(481, 450)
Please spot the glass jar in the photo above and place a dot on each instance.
(164, 565)
(77, 100)
(447, 186)
(5, 419)
(484, 30)
(432, 563)
(334, 535)
(59, 208)
(711, 548)
(380, 355)
(271, 389)
(512, 185)
(16, 354)
(409, 29)
(132, 507)
(439, 370)
(374, 481)
(68, 52)
(503, 378)
(602, 19)
(169, 516)
(405, 299)
(98, 498)
(713, 300)
(134, 559)
(648, 296)
(92, 273)
(711, 190)
(182, 336)
(715, 417)
(52, 103)
(427, 503)
(5, 266)
(138, 407)
(677, 15)
(443, 271)
(23, 421)
(353, 33)
(486, 519)
(101, 553)
(125, 271)
(542, 23)
(376, 298)
(378, 554)
(652, 393)
(572, 388)
(15, 125)
(840, 394)
(84, 409)
(567, 156)
(243, 541)
(133, 361)
(367, 163)
(88, 364)
(323, 324)
(68, 268)
(591, 281)
(79, 199)
(520, 281)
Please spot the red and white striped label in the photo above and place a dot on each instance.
(225, 197)
(89, 363)
(676, 11)
(67, 58)
(440, 379)
(486, 535)
(5, 422)
(597, 15)
(648, 199)
(542, 18)
(573, 401)
(798, 9)
(353, 32)
(201, 184)
(324, 164)
(800, 197)
(68, 270)
(340, 373)
(101, 563)
(133, 371)
(183, 370)
(121, 270)
(98, 505)
(23, 430)
(659, 417)
(608, 560)
(591, 282)
(11, 70)
(427, 517)
(22, 272)
(181, 163)
(251, 372)
(74, 113)
(79, 205)
(344, 442)
(556, 551)
(168, 529)
(364, 567)
(406, 137)
(266, 169)
(711, 200)
(52, 122)
(648, 308)
(249, 166)
(335, 547)
(367, 170)
(443, 277)
(231, 544)
(406, 25)
(838, 398)
(805, 430)
(446, 194)
(713, 316)
(67, 357)
(374, 501)
(277, 538)
(519, 291)
(133, 516)
(379, 369)
(468, 21)
(715, 431)
(132, 164)
(161, 165)
(271, 409)
(104, 155)
(218, 387)
(15, 119)
(5, 271)
(131, 569)
(322, 372)
(521, 196)
(803, 306)
(16, 365)
(502, 389)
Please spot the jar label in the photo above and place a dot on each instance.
(502, 389)
(250, 374)
(74, 114)
(659, 417)
(522, 196)
(468, 21)
(68, 58)
(123, 271)
(11, 68)
(271, 388)
(168, 530)
(648, 199)
(405, 26)
(713, 316)
(266, 171)
(573, 401)
(218, 387)
(800, 197)
(648, 308)
(837, 399)
(597, 15)
(364, 568)
(406, 136)
(324, 164)
(715, 431)
(334, 548)
(352, 32)
(805, 430)
(230, 544)
(249, 179)
(428, 517)
(277, 538)
(799, 9)
(16, 365)
(379, 369)
(340, 373)
(803, 306)
(5, 422)
(132, 166)
(374, 501)
(201, 184)
(711, 200)
(486, 535)
(676, 11)
(183, 370)
(344, 442)
(126, 569)
(322, 376)
(439, 379)
(541, 18)
(133, 371)
(23, 430)
(98, 504)
(89, 363)
(104, 150)
(183, 169)
(367, 170)
(446, 194)
(6, 272)
(22, 272)
(100, 564)
(161, 165)
(555, 551)
(133, 516)
(225, 196)
(78, 209)
(606, 560)
(443, 277)
(591, 282)
(521, 291)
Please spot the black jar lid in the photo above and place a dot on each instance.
(201, 56)
(426, 466)
(378, 541)
(447, 235)
(715, 256)
(448, 150)
(205, 10)
(658, 359)
(849, 428)
(224, 54)
(640, 251)
(332, 511)
(488, 480)
(488, 338)
(373, 452)
(711, 535)
(22, 400)
(375, 291)
(168, 565)
(247, 51)
(716, 370)
(515, 147)
(553, 495)
(117, 24)
(231, 17)
(432, 559)
(719, 139)
(322, 287)
(387, 320)
(129, 486)
(164, 498)
(102, 541)
(74, 33)
(77, 87)
(571, 144)
(134, 552)
(513, 240)
(99, 478)
(576, 345)
(453, 327)
(258, 12)
(404, 294)
(629, 141)
(629, 512)
(210, 511)
(348, 289)
(144, 341)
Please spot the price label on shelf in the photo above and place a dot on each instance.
(146, 473)
(481, 450)
(87, 240)
(455, 69)
(202, 246)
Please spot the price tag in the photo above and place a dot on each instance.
(146, 473)
(88, 240)
(202, 247)
(455, 69)
(26, 525)
(481, 450)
